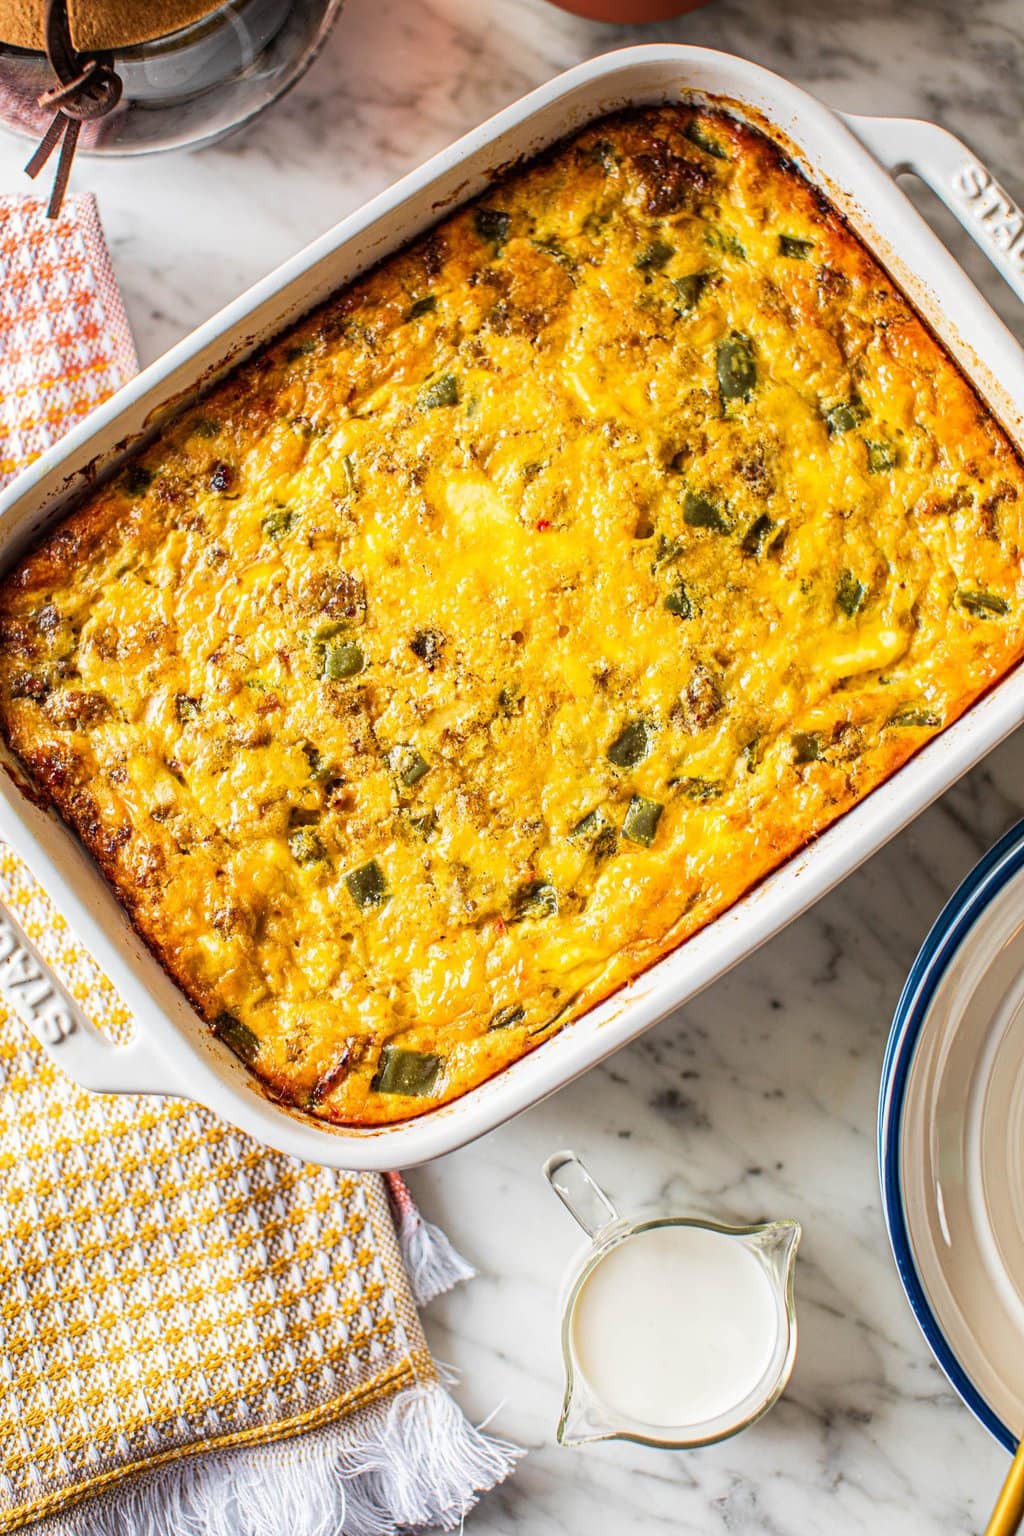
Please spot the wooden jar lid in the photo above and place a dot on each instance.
(98, 25)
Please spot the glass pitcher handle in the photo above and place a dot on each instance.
(578, 1191)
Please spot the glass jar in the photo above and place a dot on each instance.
(184, 88)
(748, 1330)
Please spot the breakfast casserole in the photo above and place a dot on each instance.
(510, 617)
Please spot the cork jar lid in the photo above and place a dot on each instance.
(99, 25)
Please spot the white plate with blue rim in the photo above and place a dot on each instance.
(951, 1139)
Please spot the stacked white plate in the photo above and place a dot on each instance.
(951, 1139)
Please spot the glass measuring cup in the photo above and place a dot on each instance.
(587, 1415)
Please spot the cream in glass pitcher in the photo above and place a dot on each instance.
(676, 1332)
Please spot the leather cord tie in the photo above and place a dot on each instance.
(87, 88)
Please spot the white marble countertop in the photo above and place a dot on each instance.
(759, 1098)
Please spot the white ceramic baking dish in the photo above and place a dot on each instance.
(855, 161)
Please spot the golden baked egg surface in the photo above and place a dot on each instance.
(504, 622)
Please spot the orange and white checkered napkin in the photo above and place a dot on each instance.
(64, 338)
(198, 1337)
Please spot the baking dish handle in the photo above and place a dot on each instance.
(29, 987)
(955, 174)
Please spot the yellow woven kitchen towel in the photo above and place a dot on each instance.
(198, 1336)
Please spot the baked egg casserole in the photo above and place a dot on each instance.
(505, 621)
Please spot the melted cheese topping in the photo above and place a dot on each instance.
(507, 620)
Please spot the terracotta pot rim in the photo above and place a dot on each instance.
(628, 12)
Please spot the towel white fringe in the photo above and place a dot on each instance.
(432, 1264)
(427, 1453)
(417, 1463)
